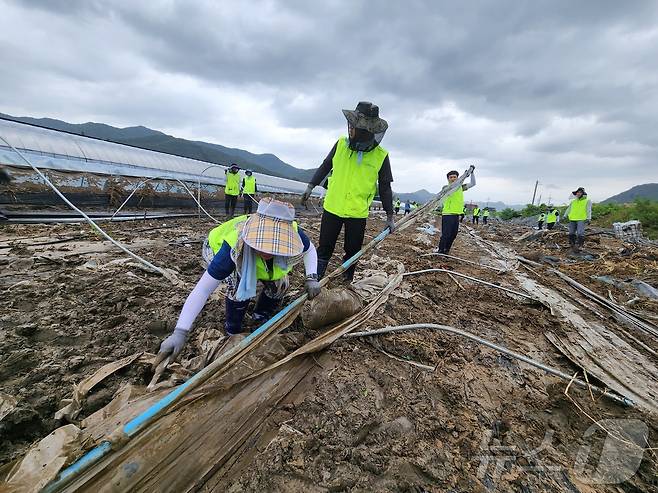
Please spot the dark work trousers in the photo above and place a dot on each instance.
(484, 219)
(230, 203)
(540, 224)
(330, 227)
(248, 204)
(550, 225)
(476, 219)
(449, 229)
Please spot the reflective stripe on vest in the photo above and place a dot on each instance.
(352, 185)
(476, 211)
(249, 185)
(578, 211)
(454, 203)
(232, 184)
(229, 232)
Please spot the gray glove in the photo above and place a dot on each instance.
(172, 346)
(307, 193)
(390, 223)
(312, 286)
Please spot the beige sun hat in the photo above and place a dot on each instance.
(271, 229)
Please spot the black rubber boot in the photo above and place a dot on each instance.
(322, 267)
(235, 311)
(580, 240)
(265, 308)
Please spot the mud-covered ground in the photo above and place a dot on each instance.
(365, 421)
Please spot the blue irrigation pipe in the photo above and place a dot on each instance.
(135, 425)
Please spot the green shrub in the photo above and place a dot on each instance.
(508, 214)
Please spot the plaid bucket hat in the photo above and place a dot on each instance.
(270, 230)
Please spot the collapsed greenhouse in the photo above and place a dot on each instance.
(501, 366)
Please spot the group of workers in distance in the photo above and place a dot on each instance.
(234, 188)
(262, 248)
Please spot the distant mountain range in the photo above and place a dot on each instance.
(646, 191)
(154, 140)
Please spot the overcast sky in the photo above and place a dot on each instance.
(561, 91)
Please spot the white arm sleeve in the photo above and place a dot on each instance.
(589, 210)
(196, 300)
(311, 260)
(471, 184)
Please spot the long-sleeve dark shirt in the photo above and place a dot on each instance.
(385, 178)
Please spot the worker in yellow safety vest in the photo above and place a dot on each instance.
(397, 206)
(357, 163)
(551, 218)
(540, 220)
(578, 212)
(485, 215)
(453, 207)
(248, 191)
(476, 215)
(243, 252)
(231, 189)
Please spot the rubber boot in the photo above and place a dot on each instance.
(580, 240)
(322, 267)
(572, 243)
(231, 212)
(348, 275)
(265, 307)
(235, 311)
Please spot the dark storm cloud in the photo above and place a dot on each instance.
(521, 87)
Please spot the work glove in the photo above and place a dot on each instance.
(312, 286)
(390, 223)
(172, 346)
(307, 194)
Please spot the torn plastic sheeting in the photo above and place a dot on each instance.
(43, 461)
(643, 288)
(338, 330)
(7, 404)
(74, 405)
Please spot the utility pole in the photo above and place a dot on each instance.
(535, 192)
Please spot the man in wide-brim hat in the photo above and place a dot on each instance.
(243, 252)
(358, 164)
(579, 212)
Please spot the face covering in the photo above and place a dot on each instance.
(363, 140)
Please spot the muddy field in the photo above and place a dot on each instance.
(367, 417)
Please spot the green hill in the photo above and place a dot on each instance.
(646, 191)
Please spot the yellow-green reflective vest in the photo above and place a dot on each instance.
(352, 185)
(249, 185)
(229, 232)
(485, 213)
(232, 184)
(454, 203)
(476, 211)
(397, 203)
(542, 216)
(551, 217)
(578, 211)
